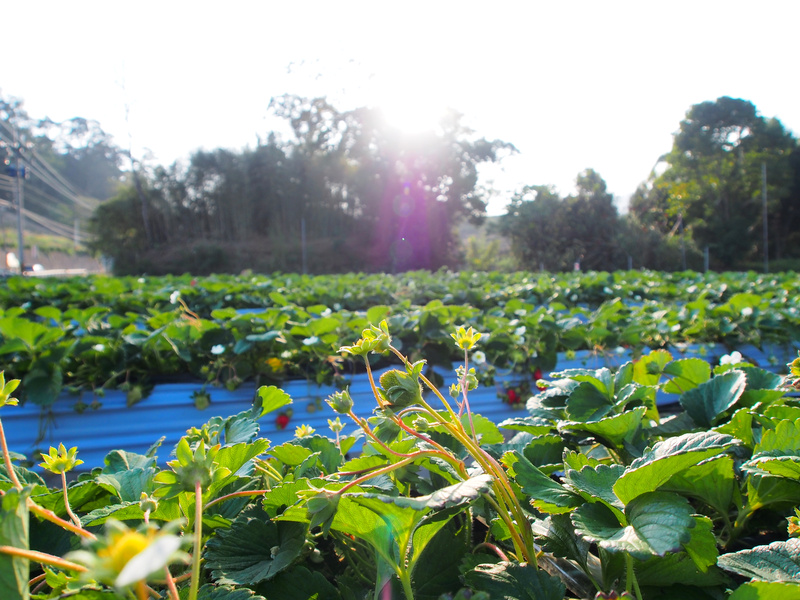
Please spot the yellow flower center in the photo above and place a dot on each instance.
(124, 547)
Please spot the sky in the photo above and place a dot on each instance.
(573, 85)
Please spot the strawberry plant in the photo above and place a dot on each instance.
(666, 478)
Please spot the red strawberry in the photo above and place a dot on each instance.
(537, 374)
(282, 421)
(513, 397)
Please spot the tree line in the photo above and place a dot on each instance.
(348, 192)
(704, 199)
(69, 168)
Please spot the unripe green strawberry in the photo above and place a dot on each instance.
(400, 389)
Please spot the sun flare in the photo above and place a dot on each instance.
(411, 113)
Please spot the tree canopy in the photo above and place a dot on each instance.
(384, 200)
(71, 166)
(712, 183)
(553, 233)
(346, 191)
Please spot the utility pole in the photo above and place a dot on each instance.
(303, 244)
(683, 246)
(764, 214)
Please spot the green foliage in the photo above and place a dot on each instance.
(551, 233)
(71, 167)
(90, 334)
(600, 490)
(14, 532)
(364, 195)
(713, 183)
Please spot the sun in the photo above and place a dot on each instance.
(413, 112)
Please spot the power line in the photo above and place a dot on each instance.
(46, 173)
(53, 226)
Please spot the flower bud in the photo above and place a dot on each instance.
(421, 424)
(147, 503)
(341, 402)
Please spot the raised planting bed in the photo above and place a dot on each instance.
(97, 425)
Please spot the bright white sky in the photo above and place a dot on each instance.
(573, 85)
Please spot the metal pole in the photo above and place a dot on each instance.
(683, 247)
(303, 243)
(630, 263)
(764, 214)
(705, 259)
(20, 207)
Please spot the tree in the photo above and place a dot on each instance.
(347, 178)
(593, 220)
(410, 190)
(535, 222)
(713, 180)
(549, 232)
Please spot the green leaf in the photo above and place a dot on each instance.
(509, 581)
(784, 438)
(329, 454)
(686, 374)
(647, 370)
(597, 484)
(544, 494)
(436, 561)
(283, 496)
(290, 453)
(778, 452)
(615, 430)
(659, 523)
(458, 494)
(740, 426)
(321, 326)
(761, 379)
(533, 425)
(766, 490)
(779, 561)
(267, 336)
(707, 403)
(587, 403)
(253, 549)
(43, 383)
(545, 450)
(780, 466)
(24, 475)
(667, 458)
(387, 527)
(378, 313)
(120, 460)
(168, 510)
(713, 481)
(557, 536)
(702, 547)
(226, 592)
(128, 485)
(766, 590)
(487, 431)
(236, 458)
(661, 573)
(270, 398)
(298, 584)
(14, 571)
